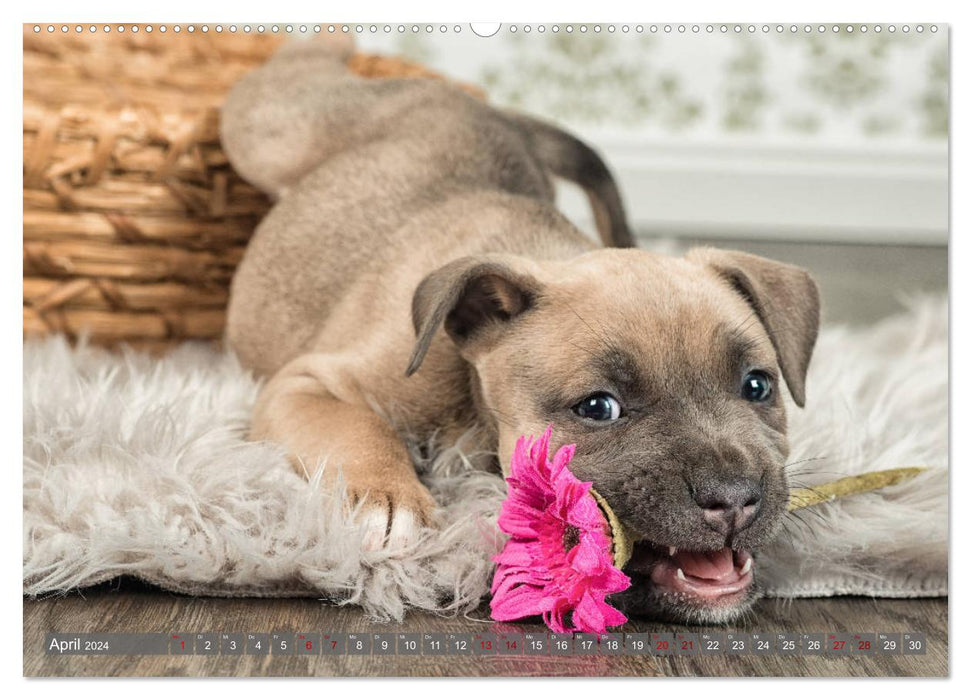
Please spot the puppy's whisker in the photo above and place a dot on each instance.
(791, 476)
(743, 348)
(808, 459)
(799, 517)
(505, 421)
(745, 325)
(586, 350)
(795, 480)
(604, 339)
(796, 526)
(808, 513)
(503, 418)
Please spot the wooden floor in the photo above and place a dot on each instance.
(137, 608)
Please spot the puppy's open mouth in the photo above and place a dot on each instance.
(720, 577)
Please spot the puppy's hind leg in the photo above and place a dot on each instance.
(297, 410)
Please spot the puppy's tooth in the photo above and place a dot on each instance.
(672, 551)
(681, 575)
(748, 566)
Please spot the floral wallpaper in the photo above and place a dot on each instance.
(851, 84)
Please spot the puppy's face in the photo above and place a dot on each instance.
(668, 376)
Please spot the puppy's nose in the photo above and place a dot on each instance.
(729, 506)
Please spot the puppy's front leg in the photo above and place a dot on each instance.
(299, 411)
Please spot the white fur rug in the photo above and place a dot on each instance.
(138, 466)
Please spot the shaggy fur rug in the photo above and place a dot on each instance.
(138, 466)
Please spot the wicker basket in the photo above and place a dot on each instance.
(133, 219)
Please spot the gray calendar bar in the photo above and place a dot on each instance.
(638, 643)
(206, 644)
(712, 643)
(308, 643)
(737, 643)
(383, 644)
(105, 644)
(333, 644)
(484, 644)
(281, 643)
(914, 643)
(761, 644)
(232, 643)
(359, 643)
(258, 644)
(181, 644)
(433, 644)
(513, 644)
(686, 643)
(662, 644)
(888, 643)
(585, 644)
(561, 644)
(536, 644)
(612, 644)
(864, 644)
(409, 643)
(459, 643)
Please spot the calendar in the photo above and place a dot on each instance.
(486, 644)
(386, 348)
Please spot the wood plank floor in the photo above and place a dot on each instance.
(136, 608)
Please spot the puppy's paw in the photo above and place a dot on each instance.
(392, 520)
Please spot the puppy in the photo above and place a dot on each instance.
(415, 267)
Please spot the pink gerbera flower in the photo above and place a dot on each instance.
(558, 559)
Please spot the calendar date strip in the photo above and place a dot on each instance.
(486, 644)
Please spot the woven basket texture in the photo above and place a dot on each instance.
(133, 219)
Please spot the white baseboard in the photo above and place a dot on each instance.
(784, 191)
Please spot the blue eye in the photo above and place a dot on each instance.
(756, 387)
(598, 407)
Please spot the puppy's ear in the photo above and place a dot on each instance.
(786, 300)
(472, 297)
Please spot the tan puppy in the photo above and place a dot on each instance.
(415, 280)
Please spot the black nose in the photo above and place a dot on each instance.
(729, 505)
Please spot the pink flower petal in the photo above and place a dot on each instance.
(587, 615)
(586, 513)
(520, 602)
(519, 520)
(555, 619)
(614, 581)
(587, 558)
(612, 616)
(562, 458)
(515, 553)
(534, 574)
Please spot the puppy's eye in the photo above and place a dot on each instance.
(756, 387)
(598, 407)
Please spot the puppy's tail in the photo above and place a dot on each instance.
(568, 157)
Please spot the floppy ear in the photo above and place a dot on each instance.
(471, 297)
(785, 299)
